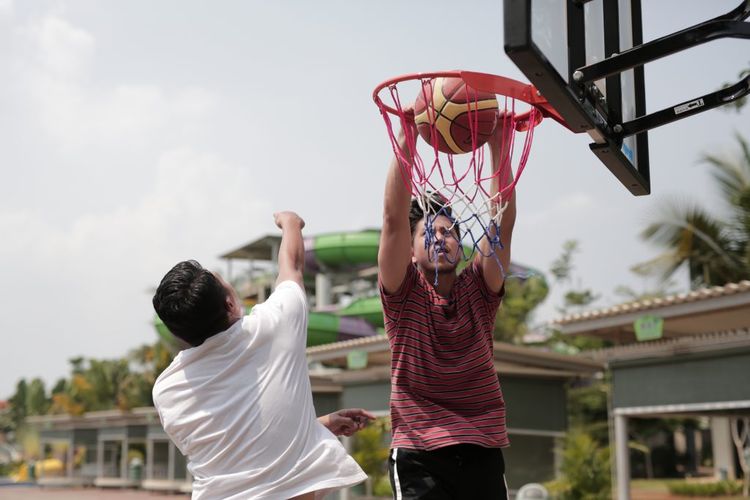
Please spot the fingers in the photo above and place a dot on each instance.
(351, 420)
(407, 122)
(357, 414)
(288, 218)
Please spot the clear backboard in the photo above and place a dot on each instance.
(550, 40)
(586, 57)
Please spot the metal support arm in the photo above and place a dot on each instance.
(688, 108)
(730, 25)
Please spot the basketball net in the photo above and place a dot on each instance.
(467, 188)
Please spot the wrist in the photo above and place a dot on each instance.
(292, 226)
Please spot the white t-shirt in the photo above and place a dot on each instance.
(240, 408)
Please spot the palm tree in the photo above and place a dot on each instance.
(715, 249)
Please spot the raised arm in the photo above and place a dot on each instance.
(394, 253)
(493, 274)
(292, 248)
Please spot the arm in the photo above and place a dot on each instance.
(346, 422)
(292, 248)
(493, 275)
(394, 253)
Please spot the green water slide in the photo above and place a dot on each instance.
(341, 251)
(344, 251)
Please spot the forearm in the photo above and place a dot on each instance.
(291, 250)
(291, 258)
(499, 200)
(395, 239)
(397, 194)
(494, 255)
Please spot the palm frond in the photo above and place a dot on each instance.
(690, 235)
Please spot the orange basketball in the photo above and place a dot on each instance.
(455, 110)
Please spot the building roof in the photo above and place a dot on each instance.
(260, 249)
(96, 419)
(732, 340)
(714, 309)
(509, 360)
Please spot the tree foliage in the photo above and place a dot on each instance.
(522, 296)
(93, 385)
(739, 103)
(585, 470)
(562, 270)
(714, 248)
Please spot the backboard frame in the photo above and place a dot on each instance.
(597, 108)
(583, 107)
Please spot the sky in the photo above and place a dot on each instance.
(138, 134)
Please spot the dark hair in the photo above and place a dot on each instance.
(438, 205)
(191, 302)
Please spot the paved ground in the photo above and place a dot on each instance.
(666, 496)
(36, 493)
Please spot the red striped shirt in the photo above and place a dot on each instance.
(444, 387)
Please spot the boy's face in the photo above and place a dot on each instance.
(443, 254)
(234, 306)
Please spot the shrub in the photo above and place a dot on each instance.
(715, 489)
(585, 469)
(382, 487)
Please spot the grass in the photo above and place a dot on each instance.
(659, 486)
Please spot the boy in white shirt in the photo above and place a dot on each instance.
(238, 404)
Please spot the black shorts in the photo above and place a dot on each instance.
(462, 471)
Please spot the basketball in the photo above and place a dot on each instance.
(456, 109)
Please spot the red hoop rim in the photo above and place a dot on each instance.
(486, 82)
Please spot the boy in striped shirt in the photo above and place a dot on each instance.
(447, 408)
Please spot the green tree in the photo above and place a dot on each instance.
(662, 289)
(60, 386)
(587, 410)
(106, 377)
(36, 398)
(585, 470)
(715, 249)
(562, 271)
(371, 453)
(18, 403)
(522, 296)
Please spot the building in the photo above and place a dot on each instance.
(349, 367)
(695, 362)
(130, 449)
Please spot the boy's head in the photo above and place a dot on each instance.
(195, 303)
(443, 252)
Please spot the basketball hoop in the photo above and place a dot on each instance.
(459, 185)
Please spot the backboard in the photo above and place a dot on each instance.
(549, 40)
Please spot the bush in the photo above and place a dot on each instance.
(585, 468)
(716, 489)
(382, 487)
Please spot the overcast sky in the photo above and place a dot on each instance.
(140, 133)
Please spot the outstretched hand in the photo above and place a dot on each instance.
(497, 138)
(288, 219)
(346, 422)
(407, 123)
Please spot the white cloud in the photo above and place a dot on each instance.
(78, 275)
(198, 203)
(53, 62)
(6, 8)
(62, 49)
(82, 288)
